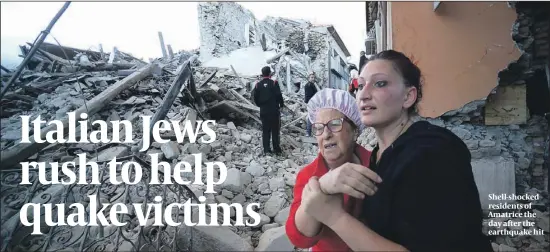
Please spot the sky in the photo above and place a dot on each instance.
(133, 26)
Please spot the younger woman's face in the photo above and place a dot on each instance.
(382, 96)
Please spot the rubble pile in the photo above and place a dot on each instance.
(210, 94)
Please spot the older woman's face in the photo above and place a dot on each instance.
(382, 96)
(334, 145)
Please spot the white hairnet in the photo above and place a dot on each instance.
(340, 100)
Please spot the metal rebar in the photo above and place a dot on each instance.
(41, 37)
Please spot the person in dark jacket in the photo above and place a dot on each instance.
(362, 61)
(267, 95)
(309, 91)
(354, 84)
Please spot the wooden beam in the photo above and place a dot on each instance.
(184, 74)
(246, 106)
(109, 67)
(37, 44)
(101, 52)
(234, 108)
(241, 97)
(50, 84)
(238, 77)
(112, 56)
(5, 69)
(294, 121)
(208, 79)
(170, 52)
(162, 45)
(291, 141)
(53, 57)
(277, 56)
(22, 151)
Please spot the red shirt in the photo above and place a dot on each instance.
(263, 78)
(326, 240)
(355, 83)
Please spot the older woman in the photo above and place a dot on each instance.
(341, 163)
(428, 200)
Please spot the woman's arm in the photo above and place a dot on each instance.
(328, 209)
(436, 208)
(306, 224)
(302, 229)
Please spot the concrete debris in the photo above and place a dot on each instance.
(274, 239)
(53, 88)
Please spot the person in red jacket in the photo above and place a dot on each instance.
(341, 165)
(354, 84)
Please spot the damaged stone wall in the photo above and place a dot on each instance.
(525, 142)
(282, 27)
(318, 52)
(530, 33)
(222, 28)
(308, 44)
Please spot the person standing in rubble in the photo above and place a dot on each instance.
(309, 91)
(354, 84)
(267, 95)
(362, 61)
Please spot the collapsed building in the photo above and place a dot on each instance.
(299, 46)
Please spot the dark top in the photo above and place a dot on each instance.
(428, 200)
(267, 95)
(362, 62)
(309, 91)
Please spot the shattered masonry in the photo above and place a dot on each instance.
(53, 85)
(226, 26)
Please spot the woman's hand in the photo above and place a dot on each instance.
(324, 208)
(352, 179)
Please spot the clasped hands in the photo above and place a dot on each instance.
(322, 197)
